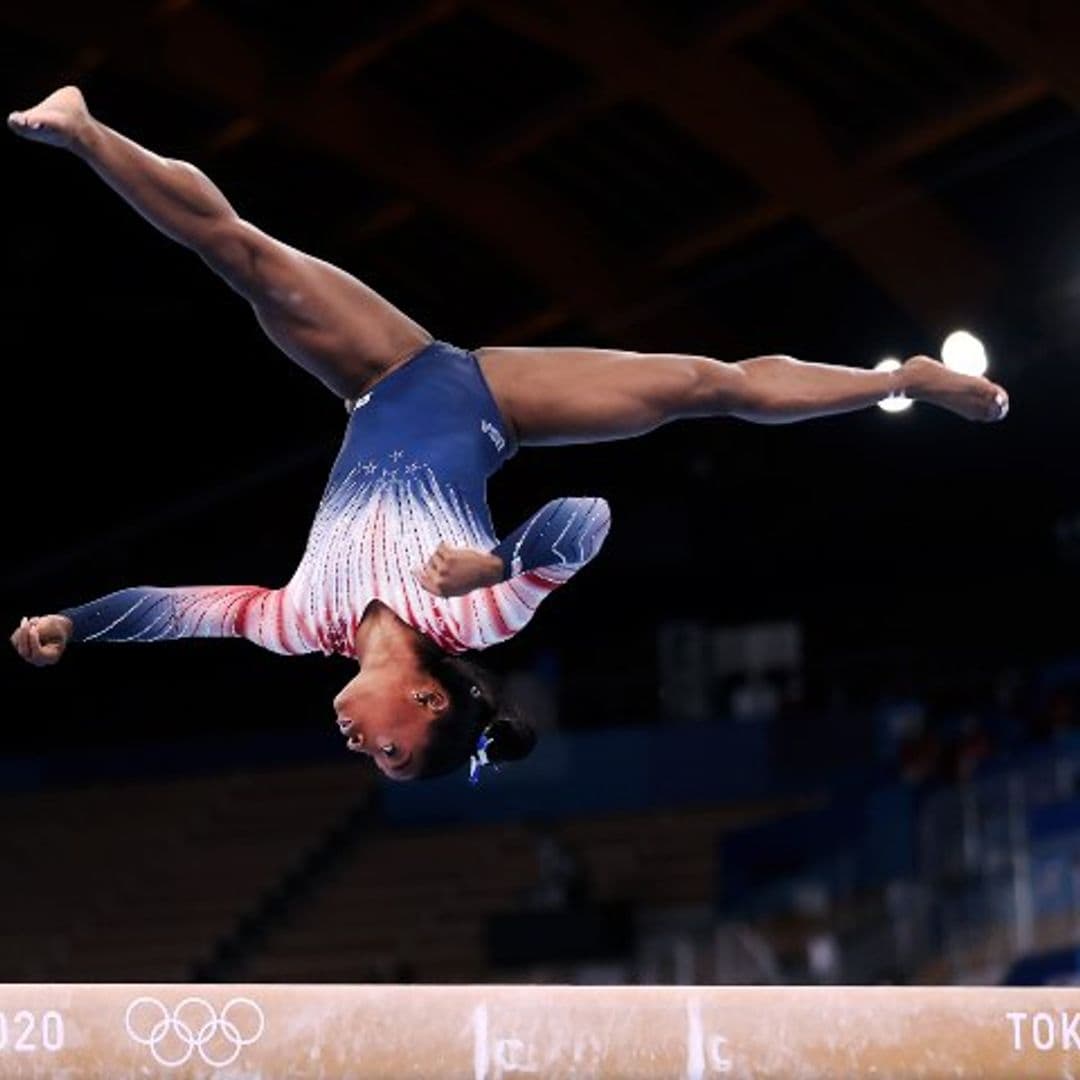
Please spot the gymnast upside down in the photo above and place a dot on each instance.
(402, 570)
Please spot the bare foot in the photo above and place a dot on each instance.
(973, 398)
(58, 120)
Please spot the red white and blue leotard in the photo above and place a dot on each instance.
(411, 473)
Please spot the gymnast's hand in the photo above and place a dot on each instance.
(455, 571)
(41, 641)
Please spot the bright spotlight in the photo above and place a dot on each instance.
(965, 353)
(892, 404)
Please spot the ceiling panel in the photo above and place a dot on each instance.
(872, 70)
(639, 179)
(788, 290)
(316, 32)
(473, 81)
(448, 281)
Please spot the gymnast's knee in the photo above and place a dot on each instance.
(710, 388)
(231, 247)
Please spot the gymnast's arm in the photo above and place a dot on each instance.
(557, 541)
(548, 549)
(153, 614)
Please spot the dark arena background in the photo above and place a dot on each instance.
(810, 717)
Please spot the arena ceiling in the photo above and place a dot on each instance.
(596, 165)
(838, 179)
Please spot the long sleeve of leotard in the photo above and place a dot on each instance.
(558, 540)
(154, 614)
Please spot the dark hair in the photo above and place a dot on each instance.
(476, 707)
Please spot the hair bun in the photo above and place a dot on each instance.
(511, 738)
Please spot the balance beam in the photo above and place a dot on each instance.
(491, 1032)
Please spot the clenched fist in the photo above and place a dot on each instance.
(41, 641)
(455, 571)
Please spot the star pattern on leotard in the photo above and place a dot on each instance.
(337, 639)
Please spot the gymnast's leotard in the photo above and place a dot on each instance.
(411, 472)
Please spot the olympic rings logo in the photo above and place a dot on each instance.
(194, 1023)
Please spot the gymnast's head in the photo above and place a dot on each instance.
(427, 718)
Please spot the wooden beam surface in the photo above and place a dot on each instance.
(492, 1032)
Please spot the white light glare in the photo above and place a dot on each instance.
(892, 404)
(965, 353)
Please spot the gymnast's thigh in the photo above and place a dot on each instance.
(556, 396)
(320, 316)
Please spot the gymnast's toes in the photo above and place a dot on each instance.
(969, 396)
(57, 120)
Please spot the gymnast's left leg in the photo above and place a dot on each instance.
(566, 395)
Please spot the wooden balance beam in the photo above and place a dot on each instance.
(492, 1032)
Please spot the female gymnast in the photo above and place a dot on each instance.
(402, 571)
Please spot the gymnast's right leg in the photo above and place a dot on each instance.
(323, 318)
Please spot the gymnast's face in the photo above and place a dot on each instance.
(387, 714)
